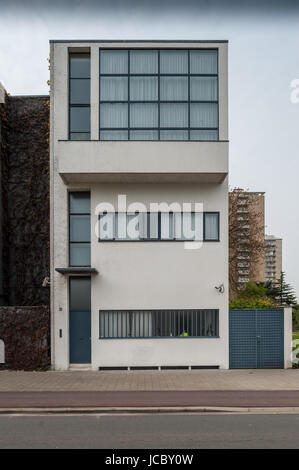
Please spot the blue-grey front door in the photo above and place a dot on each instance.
(80, 332)
(80, 320)
(256, 339)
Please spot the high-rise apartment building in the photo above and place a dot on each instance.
(273, 258)
(246, 232)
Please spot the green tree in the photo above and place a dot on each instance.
(295, 312)
(252, 296)
(271, 290)
(285, 293)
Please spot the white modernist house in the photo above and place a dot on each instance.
(139, 204)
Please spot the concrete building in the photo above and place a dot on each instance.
(273, 258)
(134, 283)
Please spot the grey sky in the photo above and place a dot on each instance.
(263, 60)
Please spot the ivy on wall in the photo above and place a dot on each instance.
(4, 150)
(25, 332)
(24, 232)
(27, 227)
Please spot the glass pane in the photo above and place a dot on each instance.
(80, 294)
(144, 115)
(174, 61)
(80, 228)
(114, 115)
(106, 226)
(114, 89)
(80, 254)
(153, 225)
(174, 135)
(80, 203)
(133, 226)
(167, 226)
(174, 115)
(144, 88)
(211, 226)
(79, 119)
(114, 61)
(203, 115)
(174, 88)
(80, 91)
(121, 226)
(114, 135)
(204, 135)
(143, 135)
(79, 66)
(80, 136)
(203, 88)
(143, 61)
(203, 61)
(197, 224)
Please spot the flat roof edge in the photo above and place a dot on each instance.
(138, 40)
(29, 96)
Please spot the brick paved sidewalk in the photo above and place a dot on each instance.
(117, 381)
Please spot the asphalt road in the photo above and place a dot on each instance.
(226, 398)
(246, 431)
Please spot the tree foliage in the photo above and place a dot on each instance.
(252, 296)
(286, 293)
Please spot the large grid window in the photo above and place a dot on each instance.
(159, 94)
(79, 229)
(79, 96)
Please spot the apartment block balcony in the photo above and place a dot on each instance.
(142, 161)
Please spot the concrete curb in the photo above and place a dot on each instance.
(148, 410)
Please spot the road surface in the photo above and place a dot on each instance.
(245, 431)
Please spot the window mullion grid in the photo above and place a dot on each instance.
(129, 98)
(158, 94)
(159, 75)
(188, 94)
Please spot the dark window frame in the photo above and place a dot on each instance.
(169, 322)
(189, 102)
(70, 243)
(144, 240)
(70, 105)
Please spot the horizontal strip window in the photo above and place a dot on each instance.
(158, 226)
(156, 90)
(79, 229)
(120, 324)
(79, 96)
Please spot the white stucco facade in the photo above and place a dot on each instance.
(148, 275)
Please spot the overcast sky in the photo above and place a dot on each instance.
(263, 60)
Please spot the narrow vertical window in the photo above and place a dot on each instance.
(79, 228)
(79, 96)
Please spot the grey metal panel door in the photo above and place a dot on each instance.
(270, 342)
(256, 339)
(80, 331)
